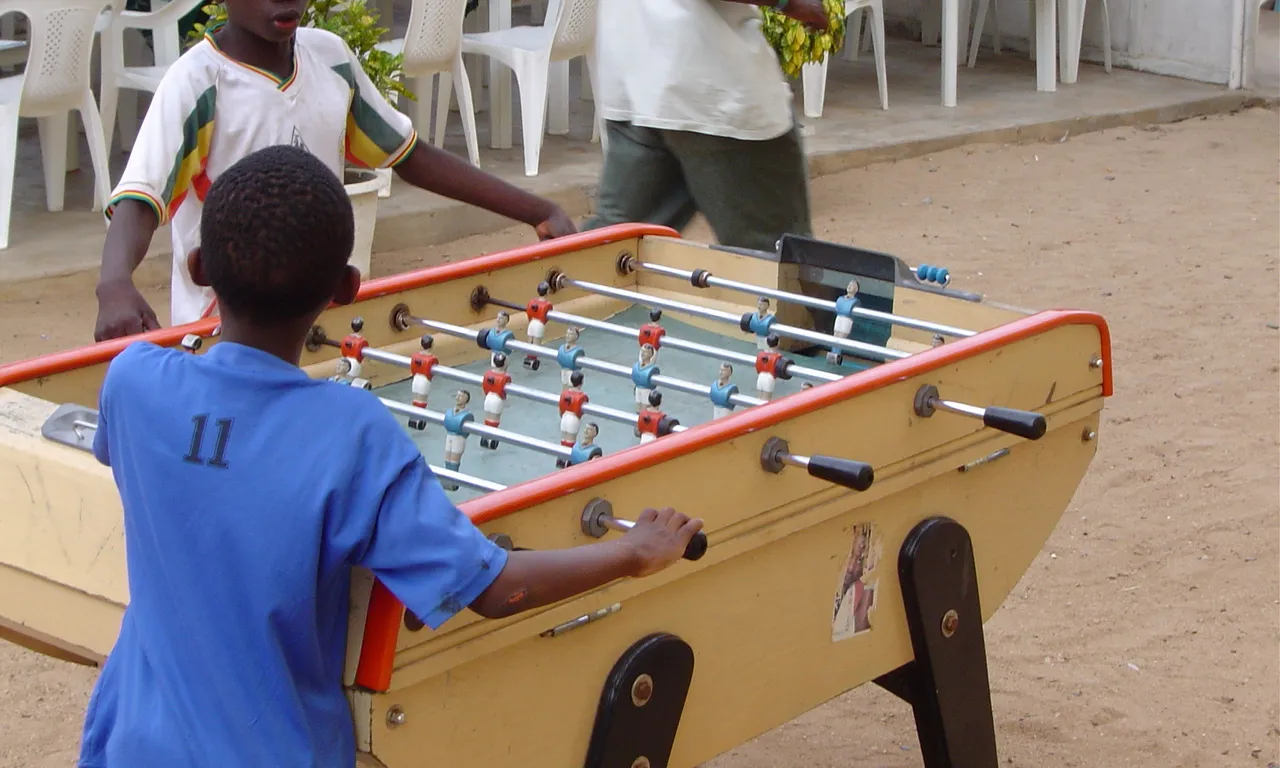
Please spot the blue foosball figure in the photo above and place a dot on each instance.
(721, 391)
(455, 439)
(845, 306)
(759, 322)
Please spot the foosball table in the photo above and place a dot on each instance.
(878, 458)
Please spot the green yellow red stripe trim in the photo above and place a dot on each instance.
(162, 213)
(281, 83)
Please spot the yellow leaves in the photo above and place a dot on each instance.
(796, 44)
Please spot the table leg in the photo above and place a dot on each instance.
(950, 50)
(1046, 44)
(499, 82)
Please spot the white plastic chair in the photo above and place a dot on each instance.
(1070, 33)
(116, 75)
(55, 82)
(432, 46)
(531, 52)
(814, 75)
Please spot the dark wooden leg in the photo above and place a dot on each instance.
(946, 685)
(641, 705)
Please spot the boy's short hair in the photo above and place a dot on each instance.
(275, 235)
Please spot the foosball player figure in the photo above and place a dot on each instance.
(572, 399)
(845, 306)
(498, 337)
(770, 366)
(721, 392)
(494, 384)
(586, 449)
(537, 310)
(455, 438)
(651, 333)
(422, 365)
(567, 356)
(642, 374)
(938, 340)
(352, 347)
(806, 385)
(652, 423)
(759, 322)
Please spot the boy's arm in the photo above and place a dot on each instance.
(437, 562)
(444, 173)
(379, 136)
(533, 579)
(167, 160)
(122, 311)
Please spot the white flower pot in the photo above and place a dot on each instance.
(363, 187)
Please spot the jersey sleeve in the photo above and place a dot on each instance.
(377, 134)
(171, 153)
(101, 446)
(426, 551)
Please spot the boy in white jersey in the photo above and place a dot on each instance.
(260, 81)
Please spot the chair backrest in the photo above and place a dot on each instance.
(433, 37)
(575, 31)
(61, 36)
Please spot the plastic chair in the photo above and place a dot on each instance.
(55, 82)
(814, 75)
(163, 26)
(532, 53)
(432, 46)
(1070, 34)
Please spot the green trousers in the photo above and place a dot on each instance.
(751, 192)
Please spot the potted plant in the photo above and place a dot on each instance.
(358, 26)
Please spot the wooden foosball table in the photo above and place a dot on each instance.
(878, 459)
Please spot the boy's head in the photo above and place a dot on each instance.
(275, 236)
(274, 21)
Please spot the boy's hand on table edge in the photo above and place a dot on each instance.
(659, 539)
(122, 311)
(556, 224)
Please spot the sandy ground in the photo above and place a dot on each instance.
(1146, 632)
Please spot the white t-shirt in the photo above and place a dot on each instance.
(211, 111)
(690, 65)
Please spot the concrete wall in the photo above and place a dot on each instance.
(1184, 38)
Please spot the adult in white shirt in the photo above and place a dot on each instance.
(699, 118)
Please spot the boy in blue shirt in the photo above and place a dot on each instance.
(250, 490)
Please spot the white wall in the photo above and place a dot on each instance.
(1184, 38)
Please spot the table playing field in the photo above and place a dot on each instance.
(511, 464)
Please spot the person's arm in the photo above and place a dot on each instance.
(810, 12)
(444, 173)
(534, 579)
(438, 563)
(379, 136)
(167, 158)
(122, 311)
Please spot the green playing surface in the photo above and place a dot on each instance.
(511, 464)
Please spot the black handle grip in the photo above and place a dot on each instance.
(851, 474)
(1021, 423)
(697, 547)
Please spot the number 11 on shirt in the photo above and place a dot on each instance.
(200, 421)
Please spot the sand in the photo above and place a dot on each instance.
(1145, 634)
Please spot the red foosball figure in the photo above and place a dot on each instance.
(651, 333)
(652, 422)
(537, 311)
(770, 366)
(572, 402)
(422, 365)
(494, 386)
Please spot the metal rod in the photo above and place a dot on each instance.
(589, 363)
(960, 408)
(808, 301)
(518, 390)
(794, 460)
(479, 483)
(686, 346)
(821, 339)
(483, 430)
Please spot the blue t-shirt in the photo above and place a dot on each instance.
(249, 491)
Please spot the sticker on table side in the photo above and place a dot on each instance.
(856, 596)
